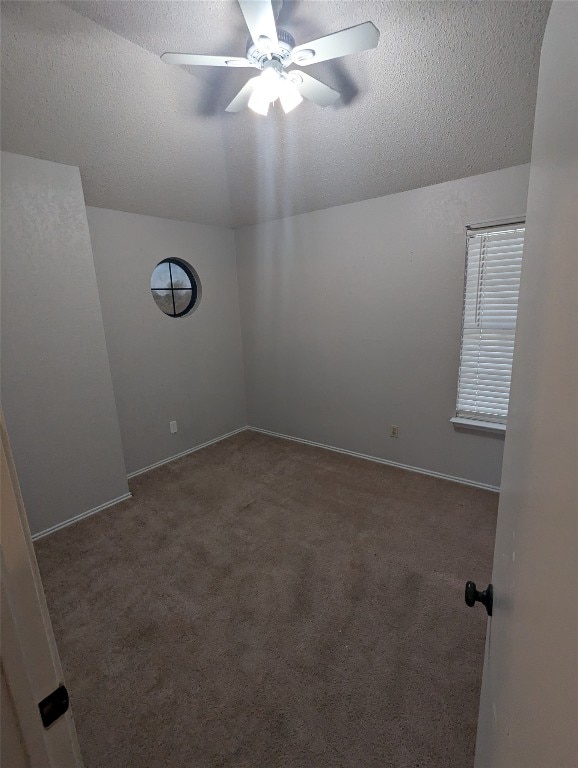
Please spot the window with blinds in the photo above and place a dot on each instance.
(492, 283)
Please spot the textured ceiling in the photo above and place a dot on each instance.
(449, 92)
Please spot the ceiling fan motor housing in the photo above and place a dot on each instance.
(258, 54)
(272, 50)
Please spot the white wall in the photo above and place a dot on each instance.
(529, 703)
(186, 369)
(57, 392)
(351, 322)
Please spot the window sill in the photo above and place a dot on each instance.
(478, 426)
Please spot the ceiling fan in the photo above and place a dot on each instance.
(272, 50)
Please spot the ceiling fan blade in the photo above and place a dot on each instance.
(313, 89)
(352, 40)
(241, 100)
(260, 19)
(194, 59)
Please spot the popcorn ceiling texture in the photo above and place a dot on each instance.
(449, 93)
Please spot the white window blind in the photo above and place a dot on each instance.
(492, 283)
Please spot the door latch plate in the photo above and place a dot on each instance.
(54, 706)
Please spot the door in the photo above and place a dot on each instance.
(529, 700)
(30, 664)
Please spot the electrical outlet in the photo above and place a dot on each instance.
(394, 431)
(173, 427)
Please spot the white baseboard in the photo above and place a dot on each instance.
(186, 453)
(355, 454)
(409, 468)
(81, 516)
(112, 502)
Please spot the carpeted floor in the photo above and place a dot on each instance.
(265, 604)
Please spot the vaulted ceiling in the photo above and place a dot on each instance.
(449, 92)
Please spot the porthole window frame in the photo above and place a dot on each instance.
(195, 289)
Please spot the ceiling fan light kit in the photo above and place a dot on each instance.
(273, 84)
(272, 50)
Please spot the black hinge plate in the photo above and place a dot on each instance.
(54, 706)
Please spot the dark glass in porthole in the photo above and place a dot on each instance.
(174, 287)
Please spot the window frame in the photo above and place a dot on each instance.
(461, 421)
(195, 288)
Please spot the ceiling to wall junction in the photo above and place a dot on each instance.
(449, 92)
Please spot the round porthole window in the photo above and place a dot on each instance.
(175, 287)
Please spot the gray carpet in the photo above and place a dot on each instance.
(265, 604)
